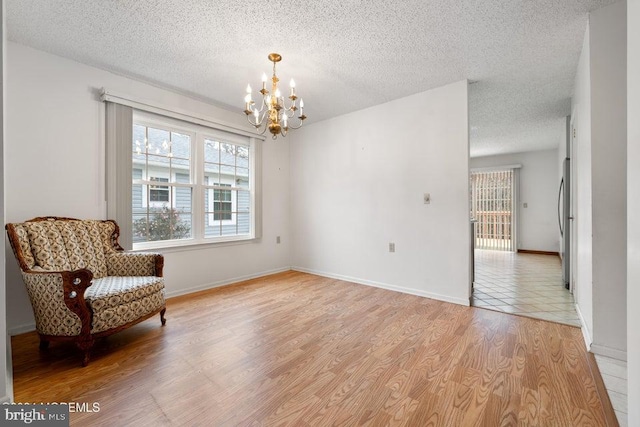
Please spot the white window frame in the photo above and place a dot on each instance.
(119, 109)
(198, 134)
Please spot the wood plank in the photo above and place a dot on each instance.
(299, 349)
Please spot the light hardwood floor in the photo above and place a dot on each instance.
(298, 349)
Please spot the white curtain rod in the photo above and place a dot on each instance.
(138, 104)
(496, 168)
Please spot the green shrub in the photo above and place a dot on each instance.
(164, 224)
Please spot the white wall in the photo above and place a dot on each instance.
(599, 162)
(633, 207)
(608, 35)
(6, 387)
(357, 184)
(55, 147)
(539, 182)
(581, 191)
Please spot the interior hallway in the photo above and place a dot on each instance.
(524, 284)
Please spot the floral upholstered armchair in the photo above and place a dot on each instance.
(81, 283)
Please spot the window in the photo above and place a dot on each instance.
(190, 184)
(158, 193)
(222, 205)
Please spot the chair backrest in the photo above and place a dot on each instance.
(62, 244)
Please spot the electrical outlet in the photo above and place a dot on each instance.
(278, 239)
(392, 247)
(427, 198)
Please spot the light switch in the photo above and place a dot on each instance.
(427, 198)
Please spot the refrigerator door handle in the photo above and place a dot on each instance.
(559, 199)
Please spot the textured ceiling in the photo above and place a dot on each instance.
(345, 55)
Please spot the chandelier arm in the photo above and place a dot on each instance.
(296, 127)
(291, 106)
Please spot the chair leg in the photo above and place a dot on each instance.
(162, 319)
(44, 344)
(85, 358)
(85, 346)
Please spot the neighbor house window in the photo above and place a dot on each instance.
(158, 193)
(222, 205)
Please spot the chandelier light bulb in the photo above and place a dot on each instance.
(247, 98)
(249, 89)
(264, 77)
(277, 93)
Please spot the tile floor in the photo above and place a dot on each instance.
(614, 376)
(525, 284)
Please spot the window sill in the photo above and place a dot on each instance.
(192, 244)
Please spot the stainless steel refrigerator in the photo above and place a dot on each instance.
(564, 218)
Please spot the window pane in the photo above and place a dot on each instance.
(180, 151)
(230, 229)
(228, 171)
(183, 199)
(242, 156)
(138, 143)
(244, 223)
(182, 225)
(166, 215)
(212, 229)
(227, 154)
(242, 177)
(211, 174)
(140, 227)
(244, 201)
(211, 151)
(158, 141)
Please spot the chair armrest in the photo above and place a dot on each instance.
(134, 264)
(58, 301)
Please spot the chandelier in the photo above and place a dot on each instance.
(273, 113)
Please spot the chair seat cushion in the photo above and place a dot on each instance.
(119, 300)
(113, 291)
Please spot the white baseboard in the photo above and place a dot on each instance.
(28, 327)
(21, 329)
(597, 348)
(586, 334)
(224, 282)
(609, 352)
(410, 291)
